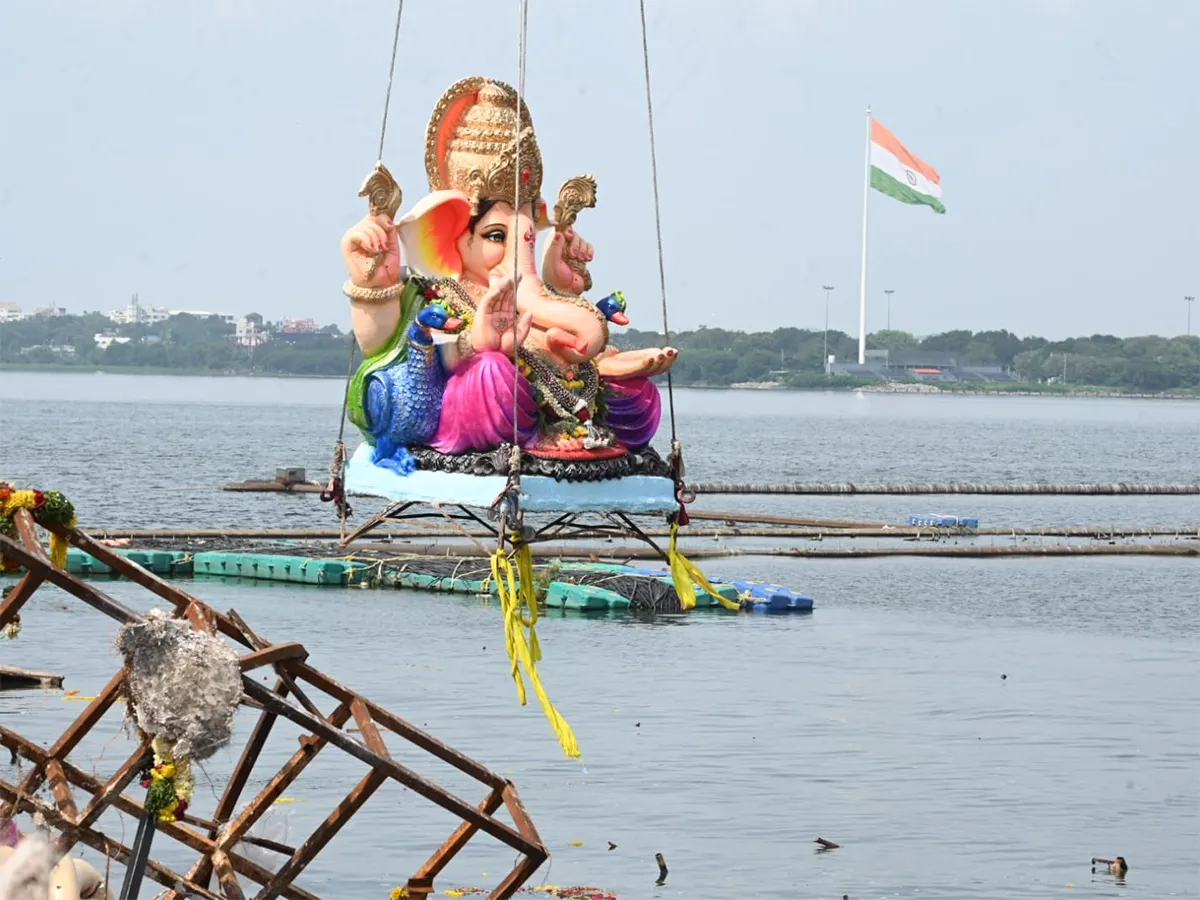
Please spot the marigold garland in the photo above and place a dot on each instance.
(169, 783)
(52, 510)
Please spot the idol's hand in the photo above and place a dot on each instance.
(564, 262)
(637, 363)
(371, 250)
(492, 328)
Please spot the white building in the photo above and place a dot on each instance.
(298, 326)
(200, 314)
(104, 341)
(250, 332)
(136, 314)
(129, 315)
(10, 312)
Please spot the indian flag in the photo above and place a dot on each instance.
(899, 174)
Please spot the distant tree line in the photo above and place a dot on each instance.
(709, 356)
(183, 342)
(795, 356)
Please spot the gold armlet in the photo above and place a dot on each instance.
(463, 344)
(373, 295)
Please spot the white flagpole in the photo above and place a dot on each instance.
(862, 296)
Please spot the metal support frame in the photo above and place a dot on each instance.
(565, 526)
(214, 840)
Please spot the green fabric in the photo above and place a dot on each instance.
(886, 184)
(395, 351)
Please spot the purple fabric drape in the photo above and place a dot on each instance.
(634, 410)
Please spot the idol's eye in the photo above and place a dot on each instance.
(495, 235)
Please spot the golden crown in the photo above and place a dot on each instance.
(471, 144)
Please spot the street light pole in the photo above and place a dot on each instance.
(1190, 300)
(889, 293)
(825, 359)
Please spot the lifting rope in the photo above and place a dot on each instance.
(682, 496)
(517, 590)
(662, 272)
(512, 490)
(685, 574)
(335, 490)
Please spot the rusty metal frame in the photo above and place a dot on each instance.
(214, 840)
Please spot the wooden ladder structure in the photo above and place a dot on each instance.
(214, 839)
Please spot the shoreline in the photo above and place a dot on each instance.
(921, 388)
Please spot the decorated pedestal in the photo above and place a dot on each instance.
(636, 494)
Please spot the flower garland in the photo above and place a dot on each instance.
(169, 782)
(52, 510)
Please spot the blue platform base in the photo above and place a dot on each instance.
(539, 493)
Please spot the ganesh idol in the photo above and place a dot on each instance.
(468, 348)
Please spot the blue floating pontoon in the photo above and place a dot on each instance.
(758, 596)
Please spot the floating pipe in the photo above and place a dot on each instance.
(1095, 532)
(826, 488)
(816, 488)
(553, 551)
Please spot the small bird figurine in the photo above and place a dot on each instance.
(434, 316)
(1117, 867)
(613, 307)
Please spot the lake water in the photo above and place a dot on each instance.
(726, 743)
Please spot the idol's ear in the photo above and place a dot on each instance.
(541, 216)
(430, 231)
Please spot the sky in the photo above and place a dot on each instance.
(208, 154)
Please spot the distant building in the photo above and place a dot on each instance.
(319, 338)
(49, 311)
(10, 312)
(918, 365)
(297, 326)
(133, 314)
(104, 341)
(201, 314)
(249, 331)
(136, 314)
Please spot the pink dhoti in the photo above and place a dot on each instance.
(478, 407)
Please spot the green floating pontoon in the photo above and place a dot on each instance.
(583, 587)
(170, 563)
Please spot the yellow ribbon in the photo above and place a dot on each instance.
(686, 575)
(516, 590)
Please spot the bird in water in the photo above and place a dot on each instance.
(1117, 867)
(613, 307)
(404, 405)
